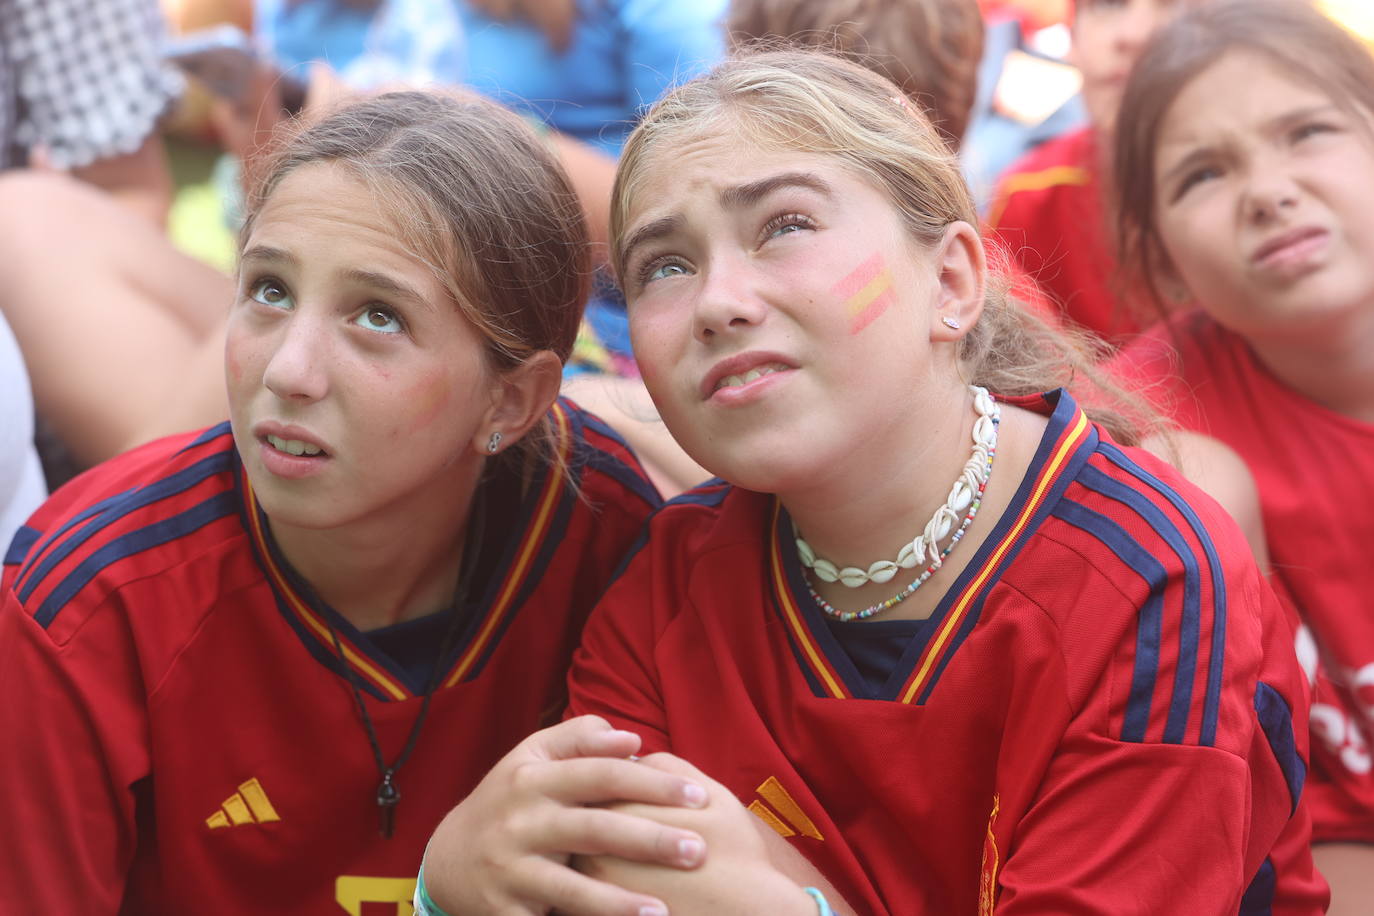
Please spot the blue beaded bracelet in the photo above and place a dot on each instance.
(425, 906)
(822, 905)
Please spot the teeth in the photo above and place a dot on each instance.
(293, 446)
(735, 381)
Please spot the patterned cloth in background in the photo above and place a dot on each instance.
(84, 79)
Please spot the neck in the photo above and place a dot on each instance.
(890, 487)
(1333, 367)
(374, 576)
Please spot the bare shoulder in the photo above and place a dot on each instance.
(1215, 468)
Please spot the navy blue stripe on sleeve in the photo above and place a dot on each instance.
(1149, 626)
(137, 541)
(1276, 718)
(1259, 896)
(24, 538)
(1211, 709)
(1190, 621)
(119, 507)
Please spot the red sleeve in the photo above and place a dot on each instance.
(615, 669)
(1119, 825)
(75, 718)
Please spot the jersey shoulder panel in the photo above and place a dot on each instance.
(710, 517)
(137, 516)
(606, 467)
(1155, 567)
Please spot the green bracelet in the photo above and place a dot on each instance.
(425, 905)
(822, 905)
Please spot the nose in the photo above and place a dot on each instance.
(296, 370)
(1270, 193)
(727, 301)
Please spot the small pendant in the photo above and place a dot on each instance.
(387, 798)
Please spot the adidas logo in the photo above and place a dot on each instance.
(249, 805)
(785, 816)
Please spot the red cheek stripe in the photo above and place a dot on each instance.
(867, 292)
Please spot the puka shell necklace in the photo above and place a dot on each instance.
(966, 494)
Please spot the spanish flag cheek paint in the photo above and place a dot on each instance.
(866, 291)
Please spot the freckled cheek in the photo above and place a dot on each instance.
(424, 403)
(243, 357)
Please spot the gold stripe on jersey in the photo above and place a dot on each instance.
(814, 655)
(955, 617)
(387, 683)
(1036, 181)
(539, 527)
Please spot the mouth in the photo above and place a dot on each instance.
(758, 372)
(1290, 247)
(297, 447)
(742, 370)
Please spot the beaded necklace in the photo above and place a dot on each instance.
(966, 492)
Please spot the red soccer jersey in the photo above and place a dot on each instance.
(1315, 473)
(1048, 217)
(1102, 716)
(182, 736)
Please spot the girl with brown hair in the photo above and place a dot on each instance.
(1245, 163)
(247, 670)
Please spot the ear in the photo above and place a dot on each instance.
(963, 273)
(520, 398)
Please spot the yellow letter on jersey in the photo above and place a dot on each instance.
(352, 891)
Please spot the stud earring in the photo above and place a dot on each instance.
(493, 443)
(951, 322)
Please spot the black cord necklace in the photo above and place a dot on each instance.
(388, 795)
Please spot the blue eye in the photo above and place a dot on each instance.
(270, 292)
(663, 271)
(786, 224)
(381, 319)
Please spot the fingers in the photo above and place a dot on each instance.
(597, 831)
(584, 736)
(601, 780)
(671, 763)
(573, 894)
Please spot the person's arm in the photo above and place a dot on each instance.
(1218, 471)
(1349, 868)
(75, 750)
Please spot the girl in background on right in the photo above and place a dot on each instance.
(1245, 171)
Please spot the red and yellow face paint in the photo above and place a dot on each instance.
(867, 292)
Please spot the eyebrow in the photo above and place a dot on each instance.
(744, 195)
(657, 229)
(734, 197)
(268, 253)
(387, 285)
